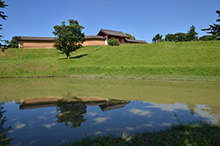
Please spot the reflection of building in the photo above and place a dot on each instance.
(105, 105)
(39, 103)
(110, 106)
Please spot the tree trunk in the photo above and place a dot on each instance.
(68, 55)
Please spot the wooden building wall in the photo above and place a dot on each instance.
(49, 44)
(36, 44)
(93, 42)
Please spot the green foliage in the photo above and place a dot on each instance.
(179, 37)
(191, 35)
(157, 38)
(214, 29)
(169, 37)
(130, 36)
(113, 42)
(206, 38)
(182, 37)
(11, 44)
(2, 14)
(70, 37)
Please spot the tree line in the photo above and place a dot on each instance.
(191, 35)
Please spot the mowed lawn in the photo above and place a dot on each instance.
(164, 59)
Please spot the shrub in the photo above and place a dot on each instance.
(113, 42)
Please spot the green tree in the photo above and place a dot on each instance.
(13, 43)
(191, 35)
(180, 37)
(214, 29)
(157, 38)
(2, 14)
(70, 37)
(169, 37)
(205, 38)
(130, 36)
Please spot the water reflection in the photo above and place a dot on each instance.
(50, 107)
(5, 139)
(71, 110)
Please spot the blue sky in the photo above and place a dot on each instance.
(141, 18)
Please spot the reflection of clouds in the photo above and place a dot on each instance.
(93, 114)
(53, 112)
(31, 124)
(98, 132)
(42, 117)
(129, 128)
(108, 129)
(15, 119)
(34, 141)
(202, 111)
(19, 125)
(165, 124)
(169, 107)
(150, 124)
(100, 120)
(18, 144)
(139, 112)
(49, 125)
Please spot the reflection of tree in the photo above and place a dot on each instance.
(71, 112)
(214, 111)
(192, 107)
(4, 132)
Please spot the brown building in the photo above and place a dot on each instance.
(100, 39)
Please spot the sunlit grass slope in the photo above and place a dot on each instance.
(200, 59)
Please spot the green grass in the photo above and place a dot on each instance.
(160, 60)
(194, 133)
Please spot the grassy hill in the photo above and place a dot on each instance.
(199, 60)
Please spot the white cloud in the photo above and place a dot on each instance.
(19, 125)
(49, 125)
(98, 132)
(165, 124)
(100, 120)
(129, 128)
(140, 112)
(42, 117)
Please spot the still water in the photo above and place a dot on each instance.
(60, 110)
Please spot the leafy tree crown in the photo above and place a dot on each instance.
(70, 37)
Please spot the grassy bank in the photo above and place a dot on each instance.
(182, 134)
(199, 60)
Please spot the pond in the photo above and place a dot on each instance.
(60, 110)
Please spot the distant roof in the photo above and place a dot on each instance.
(35, 38)
(135, 41)
(94, 37)
(112, 32)
(20, 38)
